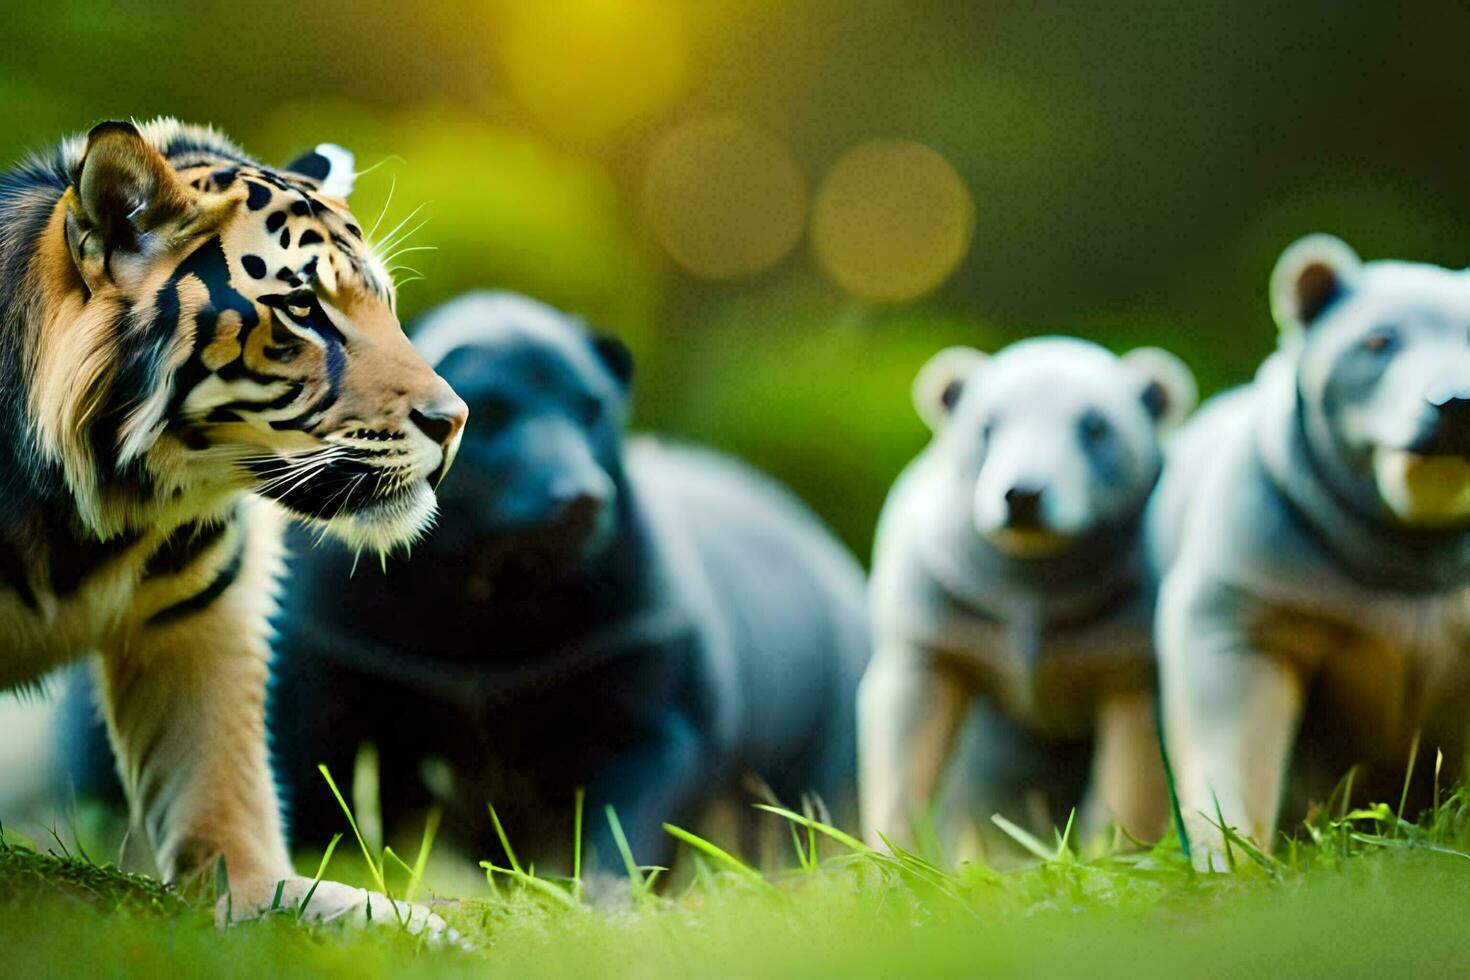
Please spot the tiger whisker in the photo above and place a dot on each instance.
(392, 186)
(411, 248)
(394, 250)
(393, 157)
(388, 239)
(389, 247)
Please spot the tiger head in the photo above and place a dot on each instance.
(217, 326)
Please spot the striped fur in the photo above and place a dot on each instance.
(185, 333)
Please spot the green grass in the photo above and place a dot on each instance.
(1367, 892)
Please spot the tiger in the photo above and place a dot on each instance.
(195, 347)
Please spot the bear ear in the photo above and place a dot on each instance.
(330, 167)
(1169, 391)
(941, 381)
(615, 355)
(124, 188)
(1310, 276)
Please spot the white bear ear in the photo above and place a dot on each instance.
(1169, 391)
(940, 382)
(1311, 274)
(330, 167)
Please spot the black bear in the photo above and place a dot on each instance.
(645, 621)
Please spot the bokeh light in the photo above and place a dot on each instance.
(892, 219)
(724, 198)
(586, 68)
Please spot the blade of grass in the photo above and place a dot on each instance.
(321, 871)
(222, 887)
(1234, 838)
(504, 840)
(539, 885)
(915, 869)
(1176, 813)
(388, 853)
(426, 845)
(352, 822)
(802, 860)
(808, 808)
(1064, 842)
(704, 877)
(367, 804)
(846, 840)
(579, 804)
(717, 854)
(1224, 832)
(1347, 797)
(1438, 765)
(1409, 774)
(375, 867)
(634, 875)
(1023, 837)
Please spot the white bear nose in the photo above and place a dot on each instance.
(1447, 390)
(1023, 505)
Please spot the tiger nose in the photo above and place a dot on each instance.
(442, 420)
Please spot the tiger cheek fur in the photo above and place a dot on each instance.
(192, 342)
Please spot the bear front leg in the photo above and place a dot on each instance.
(659, 776)
(1231, 711)
(1127, 782)
(910, 708)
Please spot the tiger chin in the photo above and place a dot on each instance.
(193, 343)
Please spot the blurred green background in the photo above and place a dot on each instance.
(786, 205)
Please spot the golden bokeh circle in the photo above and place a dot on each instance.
(586, 68)
(724, 197)
(891, 220)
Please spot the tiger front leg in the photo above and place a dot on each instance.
(183, 691)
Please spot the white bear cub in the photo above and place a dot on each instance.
(1009, 595)
(1313, 528)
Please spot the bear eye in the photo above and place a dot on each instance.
(491, 412)
(1379, 340)
(1093, 426)
(591, 410)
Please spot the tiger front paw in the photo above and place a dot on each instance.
(331, 901)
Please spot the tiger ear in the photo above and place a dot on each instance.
(330, 167)
(125, 188)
